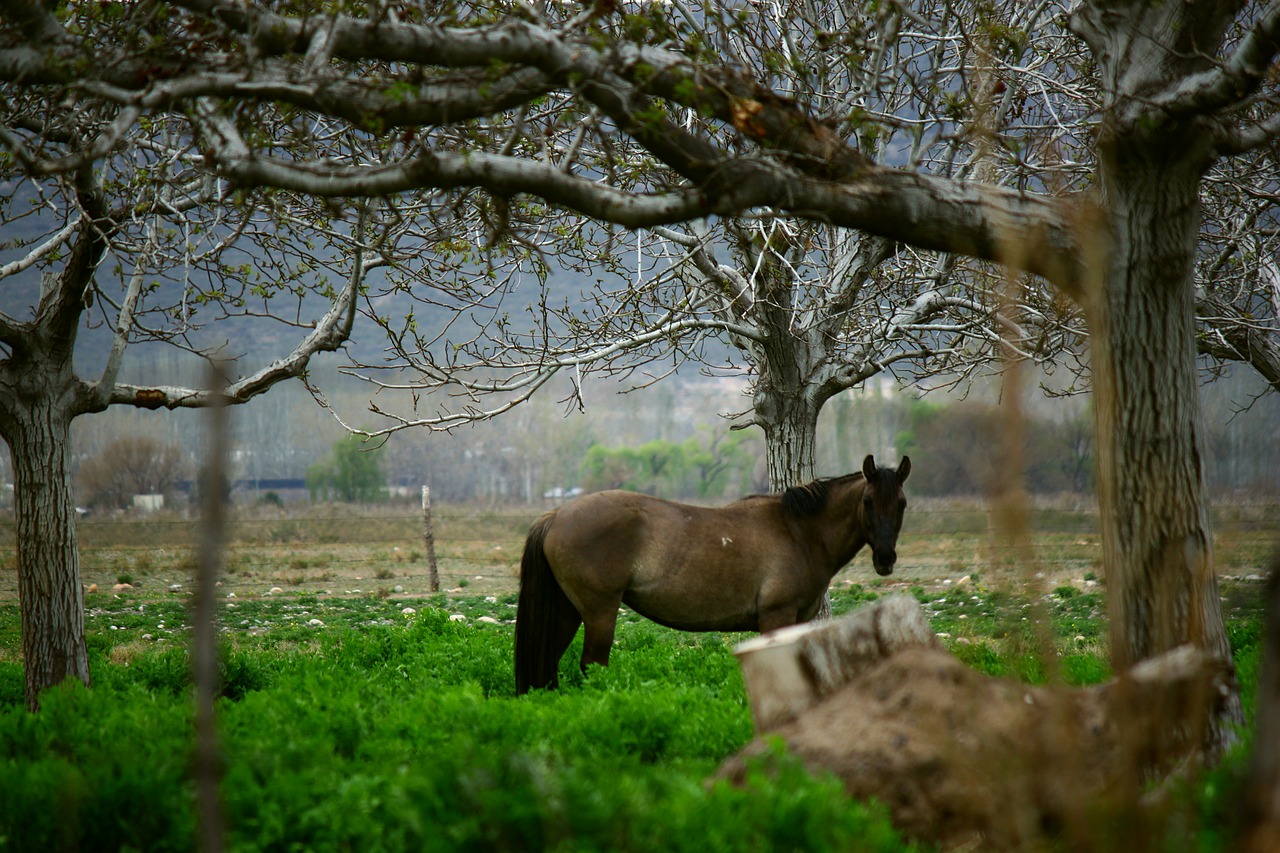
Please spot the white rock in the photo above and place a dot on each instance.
(457, 617)
(398, 588)
(316, 623)
(408, 611)
(275, 590)
(489, 619)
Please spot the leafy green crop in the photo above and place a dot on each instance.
(350, 724)
(403, 733)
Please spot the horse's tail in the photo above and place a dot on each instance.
(542, 606)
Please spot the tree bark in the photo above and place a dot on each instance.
(790, 423)
(39, 398)
(49, 591)
(1157, 544)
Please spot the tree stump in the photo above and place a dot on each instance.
(792, 668)
(960, 757)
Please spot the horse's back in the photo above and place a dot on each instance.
(618, 521)
(690, 567)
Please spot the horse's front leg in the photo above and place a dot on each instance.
(778, 616)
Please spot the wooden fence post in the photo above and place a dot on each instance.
(429, 535)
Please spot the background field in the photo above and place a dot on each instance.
(342, 550)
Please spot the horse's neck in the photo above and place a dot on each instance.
(841, 527)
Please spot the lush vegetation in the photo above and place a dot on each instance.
(352, 472)
(351, 724)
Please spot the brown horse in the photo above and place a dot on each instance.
(761, 563)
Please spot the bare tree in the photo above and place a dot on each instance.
(288, 101)
(1238, 266)
(134, 244)
(135, 465)
(810, 309)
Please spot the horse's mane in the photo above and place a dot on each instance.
(811, 498)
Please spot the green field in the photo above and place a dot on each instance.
(384, 720)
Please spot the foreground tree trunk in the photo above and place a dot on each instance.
(1161, 583)
(1157, 544)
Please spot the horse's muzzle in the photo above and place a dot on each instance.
(884, 561)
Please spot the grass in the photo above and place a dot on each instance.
(385, 730)
(381, 731)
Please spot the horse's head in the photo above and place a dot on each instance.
(882, 506)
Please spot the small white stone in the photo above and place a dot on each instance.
(275, 590)
(316, 623)
(408, 611)
(457, 617)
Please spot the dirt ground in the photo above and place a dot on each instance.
(478, 554)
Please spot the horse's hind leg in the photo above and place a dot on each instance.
(599, 626)
(562, 632)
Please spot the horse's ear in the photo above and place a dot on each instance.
(869, 467)
(904, 469)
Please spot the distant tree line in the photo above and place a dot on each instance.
(666, 441)
(708, 465)
(956, 448)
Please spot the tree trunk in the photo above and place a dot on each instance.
(790, 421)
(49, 591)
(790, 429)
(1157, 545)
